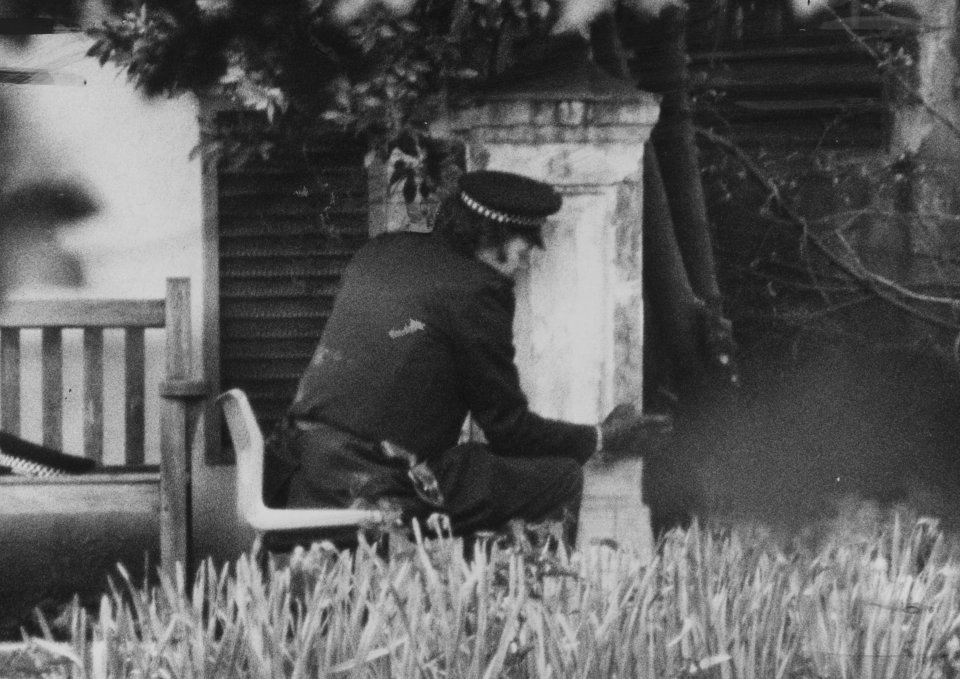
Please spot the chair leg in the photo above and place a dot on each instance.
(261, 552)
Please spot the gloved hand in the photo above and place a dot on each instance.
(626, 425)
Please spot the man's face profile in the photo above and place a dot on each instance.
(511, 259)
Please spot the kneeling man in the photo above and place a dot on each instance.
(421, 335)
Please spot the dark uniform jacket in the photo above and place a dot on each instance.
(419, 336)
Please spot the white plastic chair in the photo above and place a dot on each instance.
(248, 444)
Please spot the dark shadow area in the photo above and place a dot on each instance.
(810, 431)
(46, 560)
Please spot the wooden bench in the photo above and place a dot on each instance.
(162, 490)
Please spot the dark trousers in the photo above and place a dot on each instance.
(484, 490)
(481, 490)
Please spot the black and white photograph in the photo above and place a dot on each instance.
(480, 339)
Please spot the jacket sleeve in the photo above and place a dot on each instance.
(491, 384)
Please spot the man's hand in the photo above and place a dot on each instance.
(626, 425)
(617, 429)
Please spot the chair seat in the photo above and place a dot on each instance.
(248, 444)
(263, 518)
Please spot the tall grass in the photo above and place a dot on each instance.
(712, 603)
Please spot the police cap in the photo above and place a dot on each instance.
(512, 199)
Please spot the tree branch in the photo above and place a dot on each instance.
(883, 288)
(876, 56)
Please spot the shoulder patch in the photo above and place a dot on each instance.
(412, 326)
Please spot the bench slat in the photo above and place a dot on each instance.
(83, 313)
(10, 380)
(134, 394)
(93, 393)
(102, 493)
(51, 342)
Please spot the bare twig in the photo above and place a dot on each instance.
(850, 215)
(910, 294)
(876, 56)
(882, 287)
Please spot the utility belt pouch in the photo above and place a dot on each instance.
(421, 476)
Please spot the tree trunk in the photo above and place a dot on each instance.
(675, 306)
(673, 139)
(679, 266)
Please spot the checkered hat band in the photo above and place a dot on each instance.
(498, 216)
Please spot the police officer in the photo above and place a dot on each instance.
(421, 335)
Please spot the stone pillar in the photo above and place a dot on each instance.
(579, 320)
(924, 130)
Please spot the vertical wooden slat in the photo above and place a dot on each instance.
(10, 380)
(214, 451)
(134, 391)
(52, 390)
(178, 340)
(175, 431)
(93, 393)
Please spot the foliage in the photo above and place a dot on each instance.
(310, 68)
(879, 601)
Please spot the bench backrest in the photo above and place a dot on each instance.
(180, 391)
(93, 317)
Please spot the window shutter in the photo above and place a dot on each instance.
(288, 227)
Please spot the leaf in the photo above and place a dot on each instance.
(407, 143)
(58, 650)
(352, 665)
(712, 661)
(398, 172)
(386, 32)
(338, 117)
(410, 188)
(684, 631)
(342, 98)
(96, 48)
